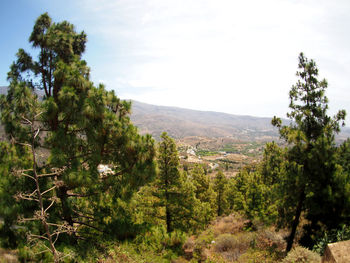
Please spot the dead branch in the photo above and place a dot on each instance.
(48, 190)
(51, 204)
(27, 175)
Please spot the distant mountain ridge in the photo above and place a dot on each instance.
(3, 90)
(180, 123)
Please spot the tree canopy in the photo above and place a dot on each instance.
(311, 170)
(79, 126)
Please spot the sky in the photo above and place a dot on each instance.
(238, 57)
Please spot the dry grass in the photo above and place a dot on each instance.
(8, 256)
(231, 224)
(231, 247)
(269, 238)
(227, 240)
(300, 254)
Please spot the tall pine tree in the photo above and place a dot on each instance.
(220, 186)
(175, 191)
(310, 135)
(82, 126)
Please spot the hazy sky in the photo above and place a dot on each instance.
(230, 56)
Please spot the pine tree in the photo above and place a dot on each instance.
(220, 187)
(203, 187)
(311, 139)
(169, 180)
(175, 190)
(83, 126)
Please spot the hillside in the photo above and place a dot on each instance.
(3, 90)
(180, 123)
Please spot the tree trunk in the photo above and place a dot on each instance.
(296, 220)
(66, 211)
(219, 204)
(168, 214)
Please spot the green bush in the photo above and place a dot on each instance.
(332, 236)
(157, 240)
(302, 255)
(201, 243)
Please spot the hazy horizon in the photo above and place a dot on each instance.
(225, 56)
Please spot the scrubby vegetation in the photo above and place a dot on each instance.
(300, 254)
(79, 184)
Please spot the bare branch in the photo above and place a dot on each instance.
(37, 132)
(43, 251)
(26, 170)
(33, 193)
(26, 120)
(23, 219)
(38, 114)
(80, 195)
(39, 237)
(22, 196)
(48, 190)
(47, 208)
(27, 175)
(56, 171)
(25, 144)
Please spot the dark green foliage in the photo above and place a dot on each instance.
(273, 164)
(157, 239)
(204, 191)
(255, 191)
(175, 192)
(169, 181)
(184, 202)
(81, 126)
(332, 236)
(312, 174)
(221, 189)
(9, 186)
(253, 197)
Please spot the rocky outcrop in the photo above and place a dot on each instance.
(337, 252)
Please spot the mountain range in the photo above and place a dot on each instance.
(180, 123)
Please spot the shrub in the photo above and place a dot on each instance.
(231, 224)
(225, 242)
(231, 247)
(270, 239)
(302, 255)
(331, 236)
(201, 243)
(157, 240)
(256, 255)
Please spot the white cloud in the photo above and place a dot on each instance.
(233, 56)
